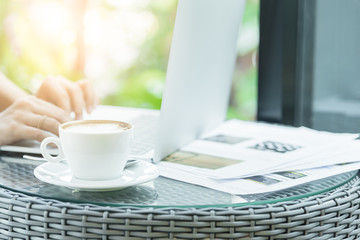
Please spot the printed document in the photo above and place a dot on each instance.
(243, 150)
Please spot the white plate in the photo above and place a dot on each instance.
(60, 174)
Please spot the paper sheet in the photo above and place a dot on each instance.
(224, 157)
(252, 148)
(260, 183)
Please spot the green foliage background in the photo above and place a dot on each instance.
(141, 84)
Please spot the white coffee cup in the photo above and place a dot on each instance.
(93, 149)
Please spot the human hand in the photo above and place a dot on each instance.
(30, 118)
(70, 96)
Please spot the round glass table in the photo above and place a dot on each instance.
(169, 209)
(17, 174)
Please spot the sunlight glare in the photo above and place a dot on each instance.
(113, 38)
(51, 18)
(128, 3)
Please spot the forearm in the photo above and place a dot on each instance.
(9, 92)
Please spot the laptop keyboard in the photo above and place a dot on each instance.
(144, 134)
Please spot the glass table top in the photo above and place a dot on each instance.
(16, 174)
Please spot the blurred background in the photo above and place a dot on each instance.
(121, 46)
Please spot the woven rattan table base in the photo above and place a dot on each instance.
(332, 215)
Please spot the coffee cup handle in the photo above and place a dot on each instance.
(46, 154)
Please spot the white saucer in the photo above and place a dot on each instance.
(60, 174)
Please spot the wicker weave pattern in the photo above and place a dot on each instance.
(333, 215)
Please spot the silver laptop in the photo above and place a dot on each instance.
(198, 82)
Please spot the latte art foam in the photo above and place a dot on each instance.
(95, 128)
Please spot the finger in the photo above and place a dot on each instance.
(27, 132)
(89, 94)
(76, 96)
(50, 110)
(77, 100)
(53, 90)
(40, 107)
(43, 122)
(51, 125)
(61, 99)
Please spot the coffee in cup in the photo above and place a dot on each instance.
(93, 149)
